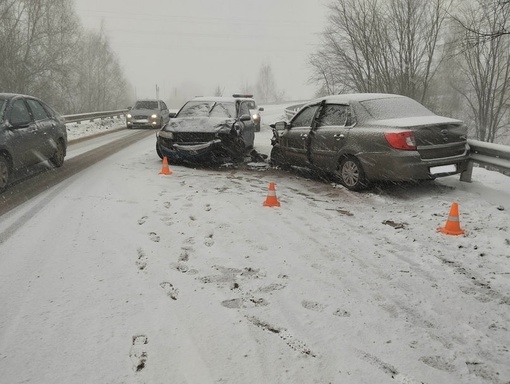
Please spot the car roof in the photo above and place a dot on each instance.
(216, 98)
(223, 98)
(356, 97)
(7, 95)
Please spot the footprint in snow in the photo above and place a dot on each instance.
(154, 237)
(138, 353)
(209, 242)
(142, 220)
(170, 290)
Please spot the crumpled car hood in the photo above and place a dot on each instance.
(198, 124)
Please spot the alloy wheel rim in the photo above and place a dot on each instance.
(350, 173)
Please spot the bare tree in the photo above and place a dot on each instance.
(38, 38)
(266, 86)
(485, 63)
(219, 91)
(381, 46)
(492, 9)
(44, 52)
(100, 82)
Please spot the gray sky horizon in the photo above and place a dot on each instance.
(192, 47)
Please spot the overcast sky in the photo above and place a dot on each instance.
(198, 45)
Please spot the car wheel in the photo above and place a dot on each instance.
(58, 158)
(350, 173)
(4, 173)
(276, 158)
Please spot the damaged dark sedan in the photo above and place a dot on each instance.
(207, 129)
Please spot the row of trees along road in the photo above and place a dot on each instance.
(451, 55)
(44, 51)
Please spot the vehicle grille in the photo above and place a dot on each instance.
(193, 137)
(141, 117)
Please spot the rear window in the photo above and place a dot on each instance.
(394, 108)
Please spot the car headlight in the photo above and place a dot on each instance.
(166, 135)
(129, 116)
(154, 116)
(256, 117)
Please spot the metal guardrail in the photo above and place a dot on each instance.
(292, 110)
(496, 156)
(93, 115)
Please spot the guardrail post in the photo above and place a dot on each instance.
(466, 175)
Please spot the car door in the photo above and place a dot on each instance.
(294, 140)
(165, 112)
(329, 135)
(24, 138)
(45, 129)
(249, 125)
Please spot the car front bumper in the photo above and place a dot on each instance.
(211, 151)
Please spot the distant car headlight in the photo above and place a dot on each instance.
(129, 116)
(154, 116)
(256, 116)
(166, 135)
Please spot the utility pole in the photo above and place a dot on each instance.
(157, 92)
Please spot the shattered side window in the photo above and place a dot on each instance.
(304, 117)
(334, 115)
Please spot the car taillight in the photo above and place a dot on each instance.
(401, 140)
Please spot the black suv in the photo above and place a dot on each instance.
(30, 132)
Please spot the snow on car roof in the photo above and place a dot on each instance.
(347, 97)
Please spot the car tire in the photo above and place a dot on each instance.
(60, 152)
(159, 152)
(276, 158)
(5, 171)
(350, 173)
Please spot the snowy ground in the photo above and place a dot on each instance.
(122, 275)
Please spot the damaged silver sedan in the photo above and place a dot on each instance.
(207, 129)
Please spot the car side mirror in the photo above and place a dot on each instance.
(171, 114)
(245, 117)
(280, 125)
(261, 109)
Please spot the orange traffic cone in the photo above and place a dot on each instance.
(271, 200)
(165, 169)
(452, 226)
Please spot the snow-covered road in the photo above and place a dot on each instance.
(122, 275)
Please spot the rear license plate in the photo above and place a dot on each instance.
(443, 169)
